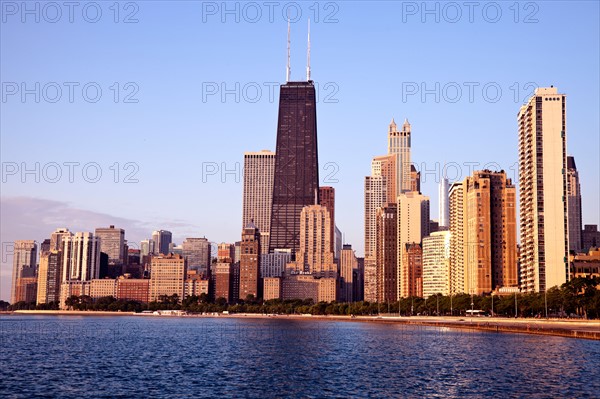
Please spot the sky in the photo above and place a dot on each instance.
(137, 114)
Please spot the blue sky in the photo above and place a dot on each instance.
(167, 124)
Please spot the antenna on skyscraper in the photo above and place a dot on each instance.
(288, 70)
(308, 55)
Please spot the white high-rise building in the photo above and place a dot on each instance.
(81, 257)
(443, 205)
(436, 264)
(259, 171)
(543, 198)
(399, 143)
(457, 238)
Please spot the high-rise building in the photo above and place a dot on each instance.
(45, 246)
(348, 267)
(196, 284)
(399, 143)
(223, 277)
(490, 225)
(273, 265)
(168, 276)
(590, 237)
(314, 273)
(386, 254)
(112, 243)
(238, 250)
(385, 166)
(49, 277)
(226, 252)
(327, 199)
(314, 255)
(296, 181)
(412, 270)
(337, 243)
(436, 264)
(81, 257)
(457, 238)
(574, 209)
(543, 191)
(133, 289)
(57, 237)
(162, 239)
(259, 171)
(375, 197)
(24, 257)
(103, 287)
(380, 190)
(250, 262)
(146, 250)
(413, 225)
(483, 244)
(197, 253)
(27, 286)
(359, 280)
(272, 288)
(415, 179)
(443, 205)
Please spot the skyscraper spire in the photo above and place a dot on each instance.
(288, 70)
(308, 55)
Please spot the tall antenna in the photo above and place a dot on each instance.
(308, 54)
(288, 70)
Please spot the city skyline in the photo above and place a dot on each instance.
(350, 224)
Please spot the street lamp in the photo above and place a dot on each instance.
(492, 304)
(515, 304)
(546, 302)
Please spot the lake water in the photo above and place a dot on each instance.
(127, 357)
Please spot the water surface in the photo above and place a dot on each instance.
(127, 357)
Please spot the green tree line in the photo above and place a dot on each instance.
(579, 297)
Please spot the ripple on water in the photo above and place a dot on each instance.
(121, 357)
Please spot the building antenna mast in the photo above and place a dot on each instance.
(288, 70)
(308, 55)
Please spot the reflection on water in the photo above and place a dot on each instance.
(192, 357)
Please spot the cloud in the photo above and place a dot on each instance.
(29, 218)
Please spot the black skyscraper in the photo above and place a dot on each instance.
(296, 182)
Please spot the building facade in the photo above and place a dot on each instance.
(197, 253)
(574, 206)
(399, 143)
(386, 259)
(168, 276)
(436, 264)
(259, 171)
(543, 191)
(112, 243)
(413, 225)
(162, 239)
(81, 257)
(24, 264)
(348, 269)
(296, 178)
(250, 262)
(49, 277)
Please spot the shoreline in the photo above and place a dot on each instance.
(570, 328)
